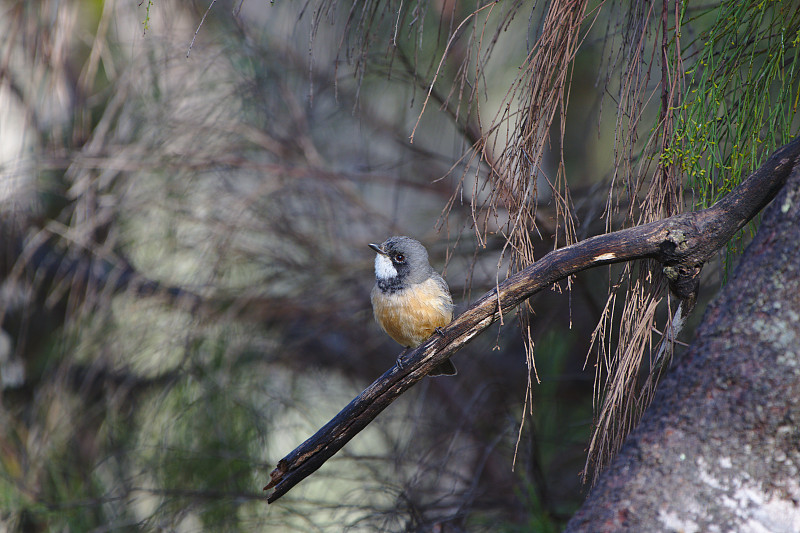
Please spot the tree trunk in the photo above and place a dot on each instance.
(719, 448)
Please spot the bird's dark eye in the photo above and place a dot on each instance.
(400, 258)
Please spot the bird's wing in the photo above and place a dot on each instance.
(445, 289)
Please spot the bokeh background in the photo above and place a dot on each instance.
(186, 195)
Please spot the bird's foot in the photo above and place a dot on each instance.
(401, 359)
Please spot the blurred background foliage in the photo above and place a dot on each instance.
(184, 277)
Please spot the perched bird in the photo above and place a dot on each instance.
(410, 300)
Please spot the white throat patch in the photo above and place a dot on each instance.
(384, 269)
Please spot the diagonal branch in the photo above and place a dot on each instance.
(682, 244)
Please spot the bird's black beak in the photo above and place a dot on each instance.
(377, 248)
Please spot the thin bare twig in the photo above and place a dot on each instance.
(441, 63)
(202, 21)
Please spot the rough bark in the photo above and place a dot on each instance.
(719, 447)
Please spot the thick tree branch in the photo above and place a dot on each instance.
(681, 244)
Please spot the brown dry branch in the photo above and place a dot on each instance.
(619, 398)
(514, 145)
(681, 243)
(537, 97)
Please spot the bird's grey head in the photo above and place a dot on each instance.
(400, 262)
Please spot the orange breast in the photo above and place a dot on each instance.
(412, 315)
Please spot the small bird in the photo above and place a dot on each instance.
(410, 300)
